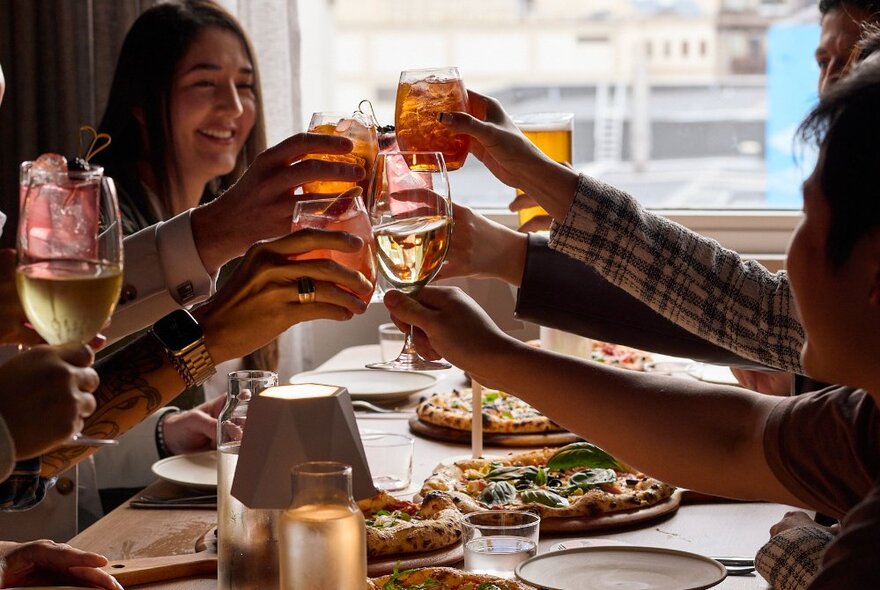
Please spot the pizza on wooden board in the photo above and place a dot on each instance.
(441, 578)
(579, 480)
(502, 413)
(402, 527)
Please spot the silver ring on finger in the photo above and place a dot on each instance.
(306, 288)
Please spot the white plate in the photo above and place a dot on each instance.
(605, 568)
(716, 374)
(198, 470)
(371, 384)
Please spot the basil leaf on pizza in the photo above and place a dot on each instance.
(543, 497)
(498, 493)
(401, 527)
(591, 478)
(582, 454)
(577, 481)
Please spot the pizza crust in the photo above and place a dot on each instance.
(593, 503)
(453, 410)
(448, 578)
(436, 525)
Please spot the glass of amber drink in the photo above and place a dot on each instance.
(344, 213)
(421, 96)
(552, 134)
(361, 130)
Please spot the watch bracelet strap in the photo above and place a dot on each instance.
(194, 365)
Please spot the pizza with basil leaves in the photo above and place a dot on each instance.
(399, 527)
(502, 413)
(579, 480)
(441, 578)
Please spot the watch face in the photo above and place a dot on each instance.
(177, 330)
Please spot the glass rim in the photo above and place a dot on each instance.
(299, 207)
(248, 375)
(358, 116)
(434, 69)
(536, 519)
(93, 172)
(321, 468)
(398, 438)
(549, 121)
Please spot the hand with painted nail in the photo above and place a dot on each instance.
(510, 156)
(260, 204)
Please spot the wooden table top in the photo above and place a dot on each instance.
(708, 529)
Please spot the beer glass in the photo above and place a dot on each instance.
(421, 96)
(361, 130)
(552, 134)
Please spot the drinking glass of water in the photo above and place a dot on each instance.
(496, 542)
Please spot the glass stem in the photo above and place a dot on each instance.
(409, 346)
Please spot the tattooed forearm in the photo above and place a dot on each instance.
(135, 382)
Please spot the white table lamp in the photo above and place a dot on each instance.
(291, 424)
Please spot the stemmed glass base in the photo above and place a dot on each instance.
(79, 440)
(410, 360)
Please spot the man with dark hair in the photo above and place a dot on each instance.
(842, 22)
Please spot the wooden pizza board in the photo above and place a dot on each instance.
(537, 439)
(380, 566)
(144, 570)
(612, 521)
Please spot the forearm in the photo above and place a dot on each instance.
(135, 382)
(689, 434)
(553, 187)
(689, 279)
(561, 292)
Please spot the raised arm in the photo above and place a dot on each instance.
(258, 302)
(688, 434)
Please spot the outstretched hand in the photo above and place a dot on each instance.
(510, 156)
(226, 227)
(260, 299)
(44, 563)
(441, 316)
(483, 249)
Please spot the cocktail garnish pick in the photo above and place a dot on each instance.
(371, 114)
(351, 193)
(99, 142)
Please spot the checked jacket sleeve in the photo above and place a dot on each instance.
(687, 278)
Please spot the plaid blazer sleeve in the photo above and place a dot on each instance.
(687, 278)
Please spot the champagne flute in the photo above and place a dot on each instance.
(69, 270)
(411, 211)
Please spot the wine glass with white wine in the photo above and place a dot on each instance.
(69, 271)
(411, 212)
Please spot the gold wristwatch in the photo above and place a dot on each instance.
(184, 342)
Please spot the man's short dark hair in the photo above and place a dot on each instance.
(846, 126)
(869, 6)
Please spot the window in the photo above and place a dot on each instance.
(677, 131)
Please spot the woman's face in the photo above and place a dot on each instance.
(213, 105)
(833, 302)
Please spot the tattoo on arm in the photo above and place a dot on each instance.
(126, 395)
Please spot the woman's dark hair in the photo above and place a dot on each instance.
(846, 127)
(152, 49)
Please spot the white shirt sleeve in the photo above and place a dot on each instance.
(7, 451)
(162, 272)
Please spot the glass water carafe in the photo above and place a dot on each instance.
(247, 539)
(323, 536)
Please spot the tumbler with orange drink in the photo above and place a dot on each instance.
(361, 130)
(552, 134)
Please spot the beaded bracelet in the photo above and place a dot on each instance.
(161, 448)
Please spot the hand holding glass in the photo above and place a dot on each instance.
(69, 270)
(411, 212)
(343, 213)
(361, 130)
